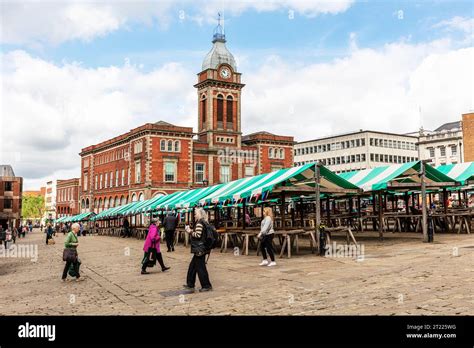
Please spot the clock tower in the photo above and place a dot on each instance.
(219, 96)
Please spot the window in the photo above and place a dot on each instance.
(138, 171)
(282, 154)
(432, 152)
(116, 178)
(220, 108)
(111, 179)
(249, 171)
(96, 181)
(230, 109)
(8, 186)
(362, 142)
(225, 174)
(176, 146)
(85, 182)
(442, 151)
(163, 145)
(106, 180)
(138, 147)
(203, 110)
(199, 172)
(100, 182)
(123, 177)
(170, 145)
(270, 152)
(86, 162)
(454, 150)
(170, 171)
(7, 203)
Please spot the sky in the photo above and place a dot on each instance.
(75, 73)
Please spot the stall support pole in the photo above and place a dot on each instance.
(317, 191)
(423, 203)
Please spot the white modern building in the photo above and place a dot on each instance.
(444, 145)
(50, 200)
(357, 150)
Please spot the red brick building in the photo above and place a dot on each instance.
(160, 158)
(67, 197)
(11, 188)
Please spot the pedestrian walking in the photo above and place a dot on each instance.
(70, 253)
(3, 236)
(81, 229)
(152, 249)
(170, 223)
(23, 231)
(49, 233)
(198, 248)
(8, 238)
(126, 228)
(14, 234)
(266, 238)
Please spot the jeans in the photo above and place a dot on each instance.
(170, 239)
(76, 269)
(267, 246)
(198, 265)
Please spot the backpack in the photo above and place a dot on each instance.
(211, 237)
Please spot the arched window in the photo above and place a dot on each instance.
(220, 108)
(282, 153)
(111, 202)
(123, 201)
(100, 203)
(163, 145)
(230, 109)
(87, 203)
(270, 152)
(117, 202)
(176, 146)
(203, 109)
(170, 145)
(134, 197)
(141, 197)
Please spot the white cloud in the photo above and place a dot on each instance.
(378, 89)
(37, 23)
(50, 112)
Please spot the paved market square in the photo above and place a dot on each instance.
(398, 276)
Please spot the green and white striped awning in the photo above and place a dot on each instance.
(380, 178)
(461, 172)
(288, 177)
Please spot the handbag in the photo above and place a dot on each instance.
(69, 255)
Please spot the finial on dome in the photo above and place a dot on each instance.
(218, 31)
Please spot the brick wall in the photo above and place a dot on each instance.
(468, 136)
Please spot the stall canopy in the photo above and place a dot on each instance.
(299, 178)
(397, 175)
(461, 172)
(76, 218)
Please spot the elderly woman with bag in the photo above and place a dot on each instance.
(70, 253)
(266, 238)
(152, 249)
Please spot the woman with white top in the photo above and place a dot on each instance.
(266, 238)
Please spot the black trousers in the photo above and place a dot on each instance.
(170, 239)
(198, 266)
(267, 246)
(76, 268)
(48, 237)
(158, 257)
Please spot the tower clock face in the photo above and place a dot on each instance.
(225, 73)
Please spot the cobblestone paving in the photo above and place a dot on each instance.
(398, 276)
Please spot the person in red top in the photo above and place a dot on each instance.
(152, 249)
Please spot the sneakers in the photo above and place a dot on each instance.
(271, 264)
(205, 289)
(264, 263)
(144, 272)
(188, 287)
(165, 269)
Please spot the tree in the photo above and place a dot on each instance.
(32, 207)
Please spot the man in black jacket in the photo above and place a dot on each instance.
(170, 223)
(126, 228)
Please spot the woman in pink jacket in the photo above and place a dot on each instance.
(152, 249)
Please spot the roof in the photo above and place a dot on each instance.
(461, 172)
(6, 170)
(219, 54)
(449, 126)
(164, 123)
(379, 178)
(355, 132)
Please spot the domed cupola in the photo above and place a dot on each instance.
(219, 53)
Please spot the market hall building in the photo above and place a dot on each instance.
(161, 158)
